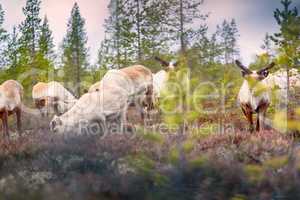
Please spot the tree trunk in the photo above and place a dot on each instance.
(118, 33)
(182, 39)
(138, 29)
(287, 95)
(78, 81)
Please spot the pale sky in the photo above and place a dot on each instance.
(254, 19)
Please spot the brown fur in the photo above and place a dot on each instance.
(39, 87)
(7, 89)
(136, 72)
(139, 72)
(247, 110)
(262, 108)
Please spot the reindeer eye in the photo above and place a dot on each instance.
(265, 73)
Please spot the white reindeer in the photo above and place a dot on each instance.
(161, 77)
(136, 81)
(95, 87)
(52, 96)
(254, 95)
(117, 90)
(11, 93)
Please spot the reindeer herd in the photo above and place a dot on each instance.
(109, 98)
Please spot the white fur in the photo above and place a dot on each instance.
(91, 107)
(115, 91)
(54, 89)
(159, 82)
(248, 94)
(119, 80)
(259, 91)
(95, 87)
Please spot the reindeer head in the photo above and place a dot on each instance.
(255, 75)
(167, 65)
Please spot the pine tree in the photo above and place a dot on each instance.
(267, 45)
(3, 35)
(227, 36)
(119, 34)
(75, 52)
(136, 30)
(287, 39)
(182, 14)
(154, 38)
(207, 49)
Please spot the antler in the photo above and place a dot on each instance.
(270, 66)
(240, 65)
(163, 63)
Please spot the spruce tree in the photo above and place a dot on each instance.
(75, 52)
(46, 44)
(11, 52)
(30, 32)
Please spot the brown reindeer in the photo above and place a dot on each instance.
(11, 93)
(254, 96)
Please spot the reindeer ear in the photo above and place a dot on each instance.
(162, 62)
(271, 65)
(242, 67)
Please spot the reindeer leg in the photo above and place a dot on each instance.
(258, 120)
(142, 114)
(19, 122)
(262, 120)
(5, 123)
(249, 117)
(261, 113)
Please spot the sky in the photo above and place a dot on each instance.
(254, 19)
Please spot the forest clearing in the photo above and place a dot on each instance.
(169, 106)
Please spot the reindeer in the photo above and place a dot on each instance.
(11, 93)
(52, 96)
(135, 80)
(161, 77)
(95, 87)
(116, 90)
(254, 95)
